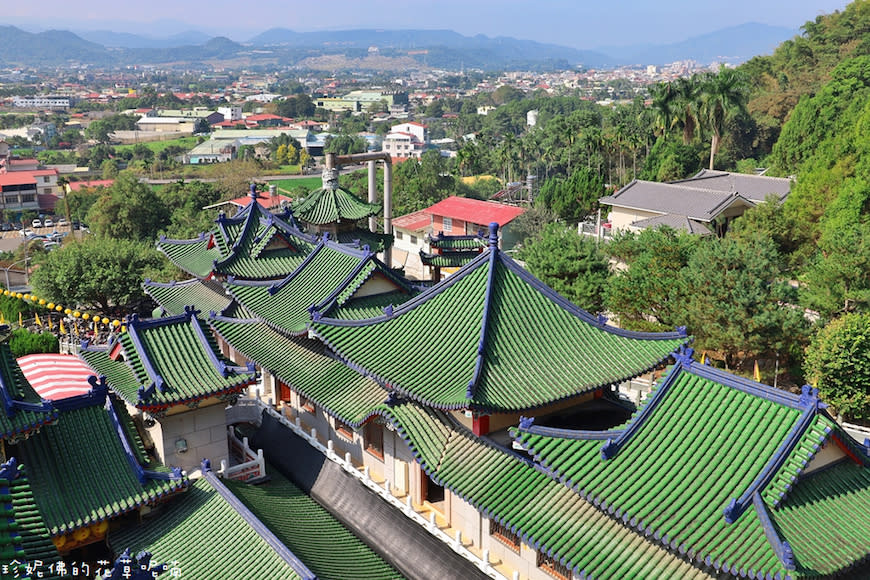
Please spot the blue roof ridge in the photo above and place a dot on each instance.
(96, 396)
(598, 322)
(746, 385)
(223, 368)
(133, 325)
(526, 425)
(177, 242)
(251, 218)
(487, 301)
(738, 505)
(141, 473)
(248, 516)
(612, 446)
(826, 435)
(781, 548)
(421, 298)
(343, 285)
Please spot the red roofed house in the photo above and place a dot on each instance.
(270, 200)
(23, 187)
(454, 216)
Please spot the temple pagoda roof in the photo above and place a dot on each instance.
(89, 466)
(302, 364)
(303, 525)
(164, 362)
(253, 244)
(175, 297)
(23, 410)
(23, 537)
(330, 275)
(512, 491)
(495, 339)
(210, 534)
(332, 203)
(732, 473)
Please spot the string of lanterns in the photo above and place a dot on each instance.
(96, 319)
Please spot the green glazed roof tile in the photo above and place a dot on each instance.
(167, 362)
(195, 256)
(174, 297)
(329, 549)
(302, 364)
(80, 472)
(511, 343)
(544, 513)
(22, 410)
(332, 204)
(331, 270)
(203, 536)
(703, 441)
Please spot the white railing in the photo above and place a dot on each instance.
(405, 507)
(858, 432)
(254, 465)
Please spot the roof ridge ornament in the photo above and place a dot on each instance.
(493, 235)
(330, 178)
(253, 192)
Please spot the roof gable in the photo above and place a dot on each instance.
(168, 362)
(721, 453)
(511, 342)
(332, 203)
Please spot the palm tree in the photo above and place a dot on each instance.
(686, 105)
(723, 95)
(663, 100)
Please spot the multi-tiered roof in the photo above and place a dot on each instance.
(165, 362)
(497, 340)
(732, 474)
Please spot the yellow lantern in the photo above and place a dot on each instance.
(85, 316)
(59, 308)
(123, 328)
(34, 299)
(116, 323)
(76, 314)
(26, 296)
(6, 293)
(105, 320)
(68, 311)
(51, 305)
(42, 302)
(19, 295)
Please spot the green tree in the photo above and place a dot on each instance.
(722, 96)
(739, 304)
(570, 264)
(838, 363)
(185, 201)
(651, 293)
(575, 197)
(103, 274)
(22, 342)
(128, 210)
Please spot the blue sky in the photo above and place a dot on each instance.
(576, 23)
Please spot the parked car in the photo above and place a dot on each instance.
(37, 223)
(62, 223)
(48, 223)
(27, 233)
(6, 227)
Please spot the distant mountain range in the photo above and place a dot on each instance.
(354, 49)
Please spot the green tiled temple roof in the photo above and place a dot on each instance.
(447, 259)
(302, 364)
(544, 513)
(196, 256)
(711, 467)
(174, 297)
(370, 306)
(205, 537)
(322, 542)
(22, 410)
(377, 241)
(253, 244)
(331, 204)
(167, 362)
(496, 339)
(457, 242)
(23, 536)
(82, 469)
(332, 272)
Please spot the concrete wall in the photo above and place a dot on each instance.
(204, 429)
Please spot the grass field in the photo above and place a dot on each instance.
(158, 146)
(293, 187)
